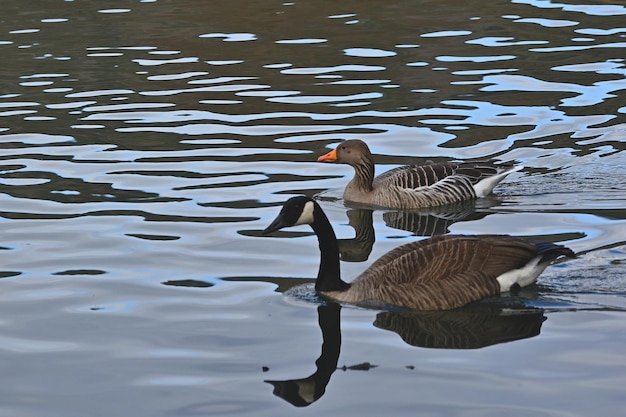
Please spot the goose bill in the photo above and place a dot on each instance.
(278, 223)
(329, 157)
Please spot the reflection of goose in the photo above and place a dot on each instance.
(439, 273)
(358, 248)
(420, 223)
(415, 186)
(304, 391)
(435, 220)
(470, 327)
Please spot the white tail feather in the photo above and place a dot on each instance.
(484, 187)
(523, 276)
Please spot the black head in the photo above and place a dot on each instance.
(295, 211)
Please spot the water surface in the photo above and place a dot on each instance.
(145, 145)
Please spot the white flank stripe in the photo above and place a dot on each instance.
(485, 187)
(524, 276)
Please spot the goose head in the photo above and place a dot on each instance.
(303, 210)
(352, 152)
(296, 211)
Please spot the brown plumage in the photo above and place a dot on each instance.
(415, 186)
(439, 273)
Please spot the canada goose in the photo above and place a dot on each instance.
(415, 186)
(438, 273)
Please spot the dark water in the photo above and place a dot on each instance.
(145, 144)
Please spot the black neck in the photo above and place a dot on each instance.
(329, 275)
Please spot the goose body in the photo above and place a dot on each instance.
(438, 273)
(415, 186)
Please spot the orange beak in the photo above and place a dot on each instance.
(329, 157)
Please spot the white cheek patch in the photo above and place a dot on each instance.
(307, 214)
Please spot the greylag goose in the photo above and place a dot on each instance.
(438, 273)
(415, 186)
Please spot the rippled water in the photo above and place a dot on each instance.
(145, 144)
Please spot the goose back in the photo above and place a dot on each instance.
(445, 272)
(416, 176)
